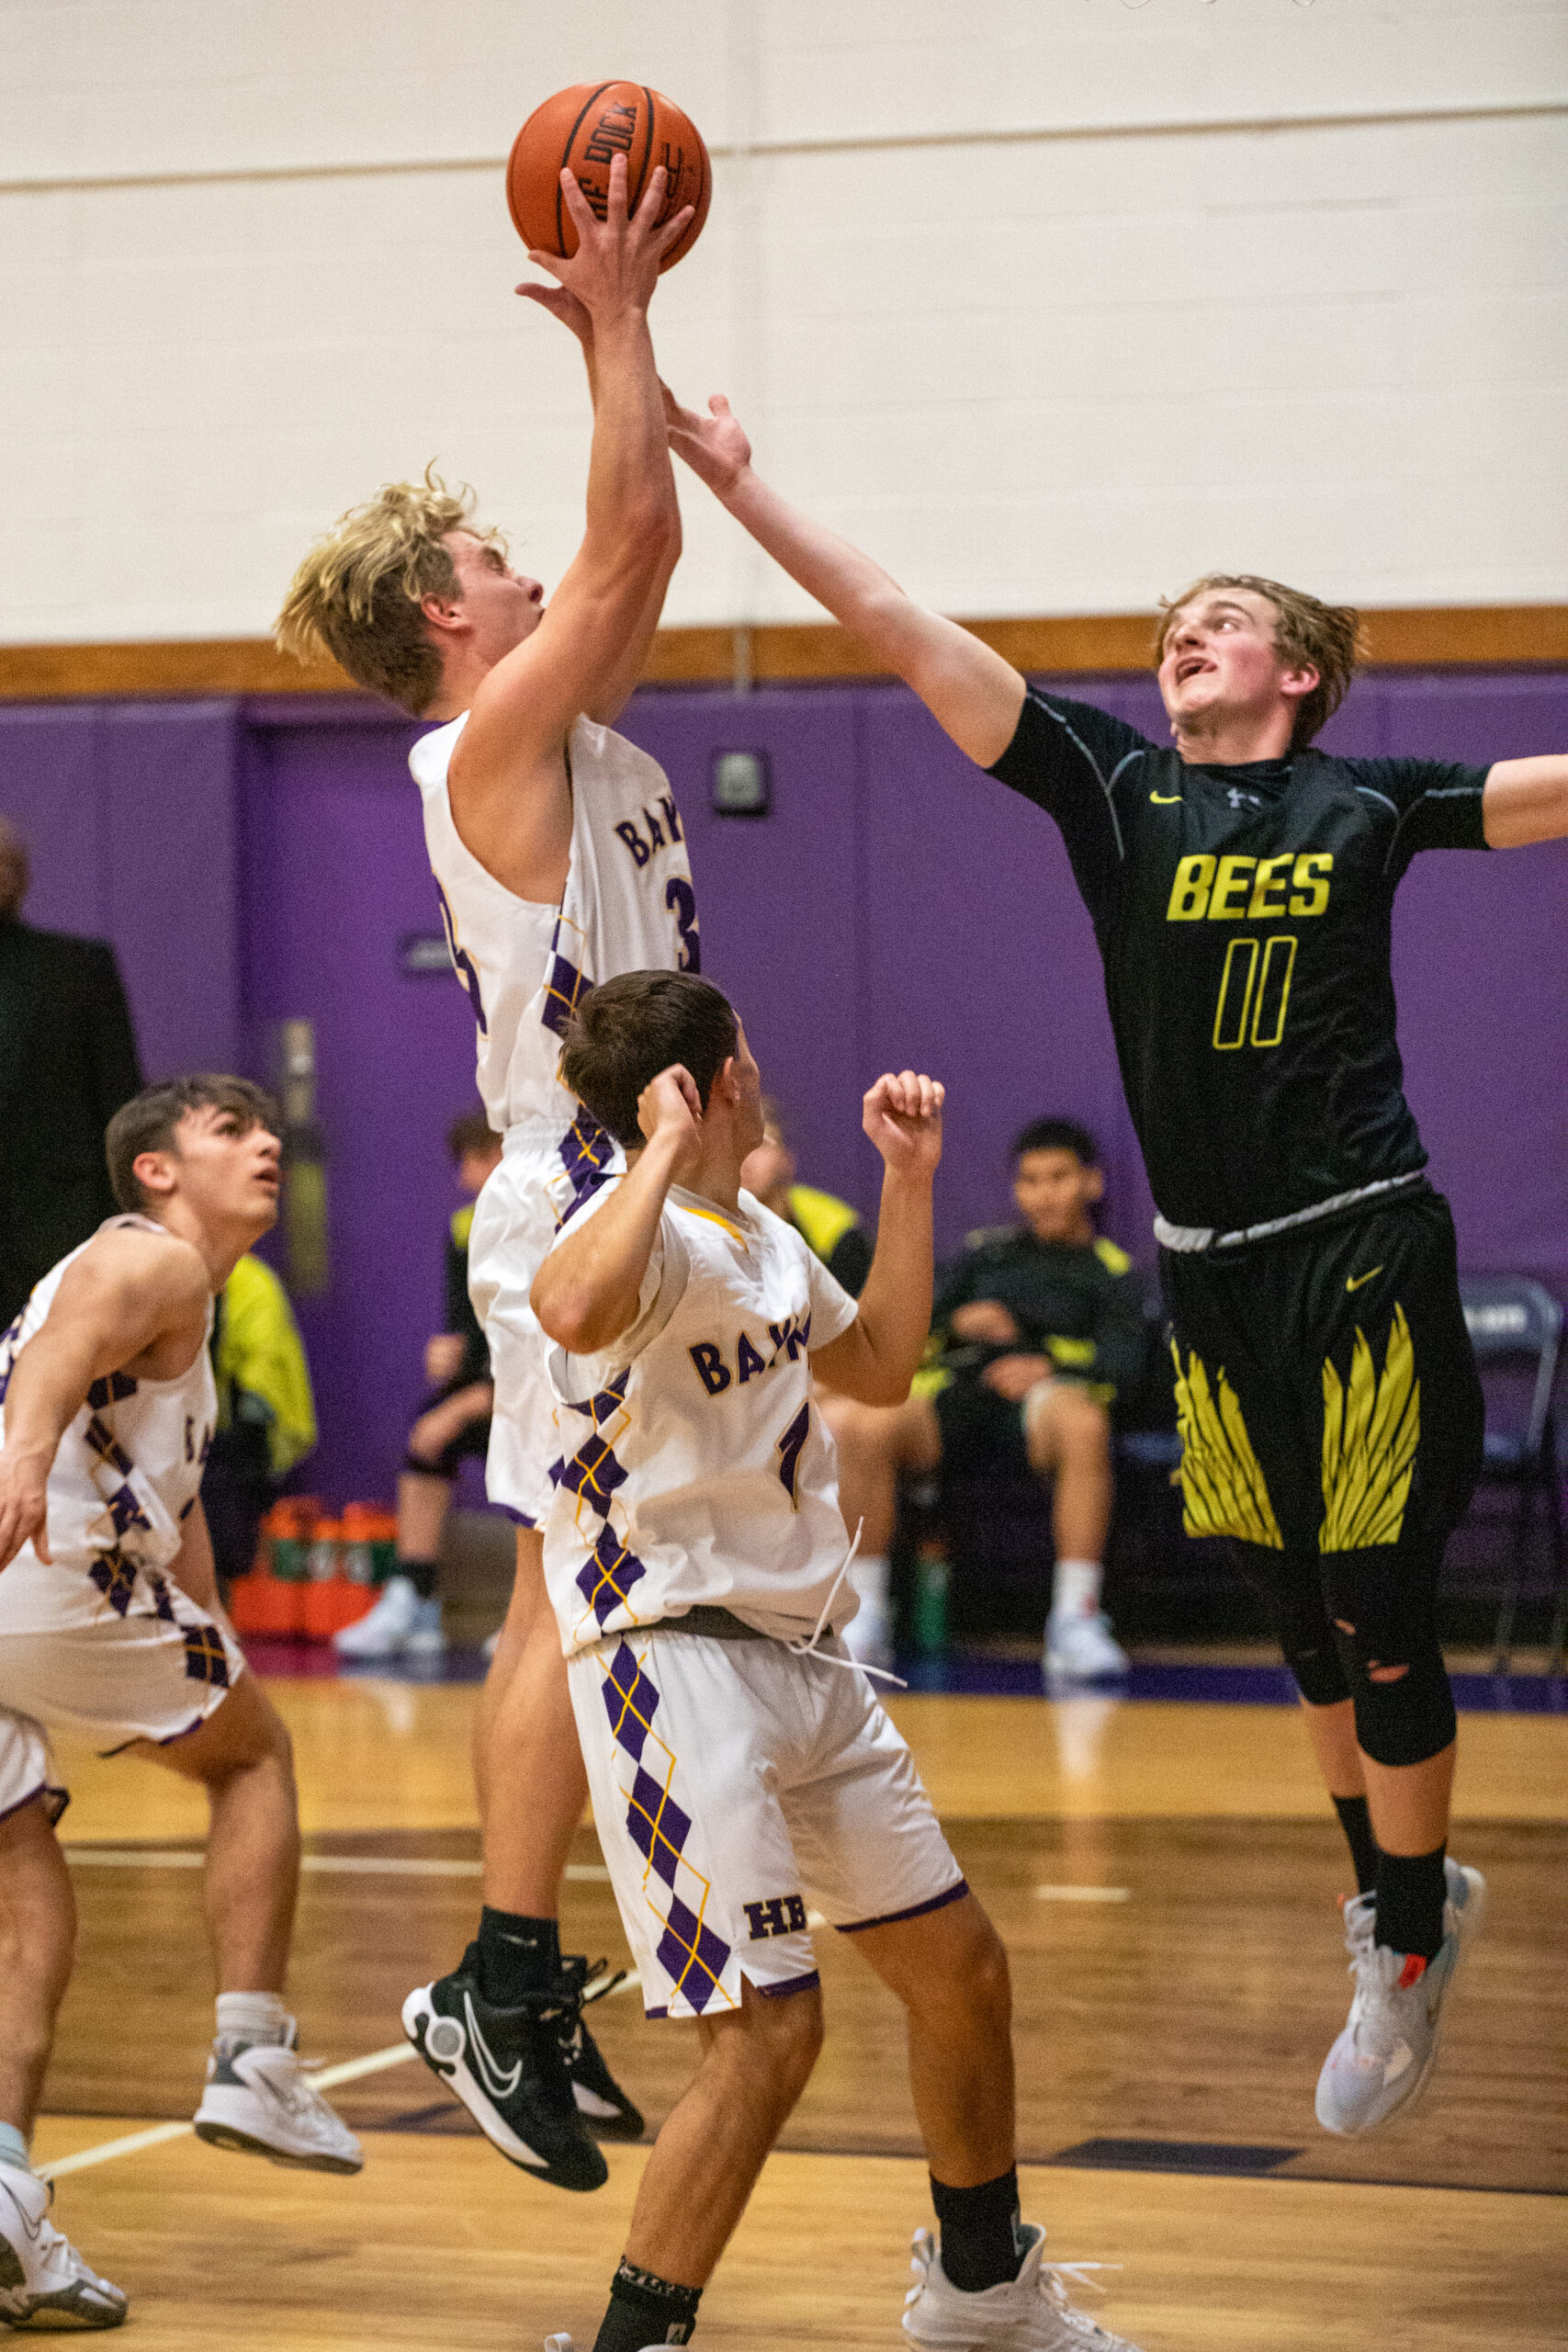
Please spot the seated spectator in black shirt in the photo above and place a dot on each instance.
(827, 1225)
(1038, 1328)
(454, 1422)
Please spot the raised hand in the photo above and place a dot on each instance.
(669, 1112)
(902, 1114)
(615, 267)
(715, 447)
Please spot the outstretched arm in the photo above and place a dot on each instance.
(877, 1357)
(969, 690)
(510, 754)
(615, 689)
(121, 1297)
(1526, 800)
(587, 1292)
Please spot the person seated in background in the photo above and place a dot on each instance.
(453, 1423)
(1038, 1328)
(266, 1414)
(828, 1227)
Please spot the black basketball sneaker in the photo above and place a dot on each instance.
(508, 2069)
(601, 2102)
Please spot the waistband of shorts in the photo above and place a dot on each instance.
(716, 1624)
(1193, 1240)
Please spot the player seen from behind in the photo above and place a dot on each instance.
(741, 1769)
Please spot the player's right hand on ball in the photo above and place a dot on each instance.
(670, 1110)
(902, 1114)
(24, 1507)
(615, 267)
(714, 445)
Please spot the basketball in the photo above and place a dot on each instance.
(582, 130)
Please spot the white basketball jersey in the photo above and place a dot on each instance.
(130, 1465)
(693, 1466)
(627, 907)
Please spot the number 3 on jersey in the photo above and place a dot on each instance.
(682, 900)
(1256, 982)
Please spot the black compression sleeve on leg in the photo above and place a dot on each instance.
(421, 1575)
(981, 2243)
(1411, 1892)
(646, 2309)
(1356, 1823)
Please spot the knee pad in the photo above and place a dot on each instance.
(1388, 1648)
(1293, 1584)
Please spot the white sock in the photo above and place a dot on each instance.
(14, 2148)
(1075, 1589)
(869, 1575)
(251, 2017)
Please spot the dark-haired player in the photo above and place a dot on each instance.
(110, 1626)
(561, 858)
(1241, 886)
(740, 1767)
(1041, 1327)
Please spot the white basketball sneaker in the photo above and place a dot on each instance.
(1382, 2060)
(1029, 2314)
(399, 1623)
(40, 2271)
(1080, 1648)
(259, 2099)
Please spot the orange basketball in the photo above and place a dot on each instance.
(581, 130)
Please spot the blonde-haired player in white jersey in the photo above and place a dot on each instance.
(560, 859)
(740, 1766)
(110, 1626)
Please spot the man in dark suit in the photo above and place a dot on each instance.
(67, 1062)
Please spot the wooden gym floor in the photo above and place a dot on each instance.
(1164, 1875)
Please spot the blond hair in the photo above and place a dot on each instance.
(1307, 634)
(357, 596)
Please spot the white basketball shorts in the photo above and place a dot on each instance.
(734, 1785)
(516, 1220)
(115, 1653)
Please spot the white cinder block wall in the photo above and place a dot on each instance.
(1050, 302)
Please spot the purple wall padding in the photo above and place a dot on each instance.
(254, 861)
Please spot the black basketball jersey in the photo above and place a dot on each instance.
(1244, 917)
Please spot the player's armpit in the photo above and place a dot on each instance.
(1525, 801)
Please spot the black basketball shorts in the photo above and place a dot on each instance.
(1326, 1391)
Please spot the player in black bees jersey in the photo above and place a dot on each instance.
(1241, 886)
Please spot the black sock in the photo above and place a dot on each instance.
(420, 1574)
(981, 2244)
(644, 2310)
(517, 1956)
(1411, 1891)
(1357, 1823)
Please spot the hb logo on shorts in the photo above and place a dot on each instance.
(781, 1915)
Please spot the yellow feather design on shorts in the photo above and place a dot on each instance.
(1224, 1491)
(1371, 1430)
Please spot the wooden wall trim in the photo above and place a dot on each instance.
(1416, 638)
